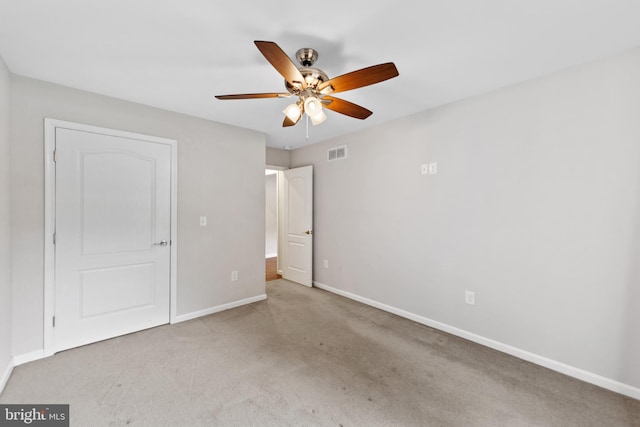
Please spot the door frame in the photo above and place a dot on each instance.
(50, 126)
(279, 170)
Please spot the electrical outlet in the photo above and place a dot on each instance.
(470, 297)
(234, 275)
(326, 263)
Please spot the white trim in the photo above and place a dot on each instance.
(17, 361)
(49, 227)
(219, 308)
(554, 365)
(50, 126)
(21, 359)
(173, 304)
(6, 375)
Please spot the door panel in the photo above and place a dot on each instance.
(116, 203)
(113, 202)
(108, 290)
(298, 223)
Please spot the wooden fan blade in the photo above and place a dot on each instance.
(360, 78)
(254, 95)
(345, 107)
(288, 122)
(281, 62)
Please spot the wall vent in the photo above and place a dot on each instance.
(337, 153)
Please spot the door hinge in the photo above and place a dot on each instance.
(55, 156)
(54, 238)
(54, 321)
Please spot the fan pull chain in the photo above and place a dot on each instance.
(307, 120)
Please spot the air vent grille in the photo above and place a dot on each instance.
(337, 153)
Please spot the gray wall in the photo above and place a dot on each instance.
(535, 208)
(5, 223)
(277, 157)
(220, 175)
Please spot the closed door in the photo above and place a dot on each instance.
(112, 231)
(297, 210)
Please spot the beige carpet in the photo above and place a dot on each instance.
(305, 357)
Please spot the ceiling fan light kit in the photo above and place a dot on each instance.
(293, 111)
(313, 109)
(313, 86)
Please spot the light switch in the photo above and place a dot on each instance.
(203, 221)
(425, 169)
(433, 168)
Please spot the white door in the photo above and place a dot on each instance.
(112, 229)
(297, 210)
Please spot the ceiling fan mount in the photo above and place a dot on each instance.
(313, 87)
(307, 56)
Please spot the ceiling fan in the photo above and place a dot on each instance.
(313, 87)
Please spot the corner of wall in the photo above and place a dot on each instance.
(6, 373)
(6, 360)
(277, 157)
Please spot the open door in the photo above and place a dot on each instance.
(297, 225)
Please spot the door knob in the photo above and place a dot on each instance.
(308, 232)
(160, 243)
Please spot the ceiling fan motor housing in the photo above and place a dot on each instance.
(312, 76)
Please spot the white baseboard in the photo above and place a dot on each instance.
(554, 365)
(28, 357)
(218, 308)
(17, 361)
(271, 255)
(6, 374)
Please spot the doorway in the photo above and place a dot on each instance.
(289, 224)
(271, 224)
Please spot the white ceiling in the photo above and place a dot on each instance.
(177, 55)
